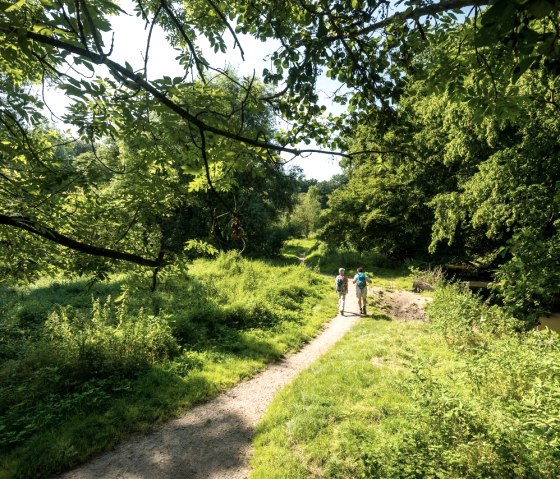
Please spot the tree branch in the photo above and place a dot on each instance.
(414, 14)
(50, 234)
(138, 80)
(198, 62)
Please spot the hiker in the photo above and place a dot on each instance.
(361, 280)
(341, 284)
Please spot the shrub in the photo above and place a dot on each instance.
(495, 415)
(464, 318)
(111, 339)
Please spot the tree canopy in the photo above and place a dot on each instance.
(209, 123)
(468, 173)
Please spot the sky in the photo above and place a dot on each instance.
(129, 43)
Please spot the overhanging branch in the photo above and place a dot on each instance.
(50, 234)
(413, 14)
(161, 96)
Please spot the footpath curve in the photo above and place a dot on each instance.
(213, 440)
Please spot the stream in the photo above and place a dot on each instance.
(550, 321)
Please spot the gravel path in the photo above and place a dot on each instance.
(213, 440)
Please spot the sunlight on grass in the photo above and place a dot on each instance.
(395, 400)
(318, 426)
(90, 373)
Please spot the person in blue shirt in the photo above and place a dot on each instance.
(361, 281)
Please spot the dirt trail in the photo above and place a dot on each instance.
(213, 440)
(398, 304)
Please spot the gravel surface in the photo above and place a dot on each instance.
(213, 440)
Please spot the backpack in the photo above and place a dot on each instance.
(361, 280)
(340, 284)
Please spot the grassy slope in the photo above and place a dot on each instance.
(323, 423)
(229, 318)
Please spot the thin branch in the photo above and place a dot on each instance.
(96, 39)
(228, 26)
(483, 58)
(148, 41)
(207, 168)
(414, 14)
(198, 62)
(130, 225)
(25, 136)
(82, 34)
(65, 15)
(47, 198)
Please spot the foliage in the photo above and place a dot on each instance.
(462, 174)
(305, 217)
(378, 209)
(177, 146)
(322, 189)
(83, 368)
(364, 45)
(512, 199)
(465, 318)
(102, 185)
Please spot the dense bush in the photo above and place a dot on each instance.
(233, 293)
(496, 416)
(463, 316)
(112, 339)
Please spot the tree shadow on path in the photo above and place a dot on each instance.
(206, 443)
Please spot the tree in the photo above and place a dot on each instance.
(465, 173)
(148, 191)
(364, 44)
(307, 211)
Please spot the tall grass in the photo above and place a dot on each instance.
(83, 368)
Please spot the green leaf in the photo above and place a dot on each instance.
(16, 6)
(501, 14)
(522, 67)
(539, 8)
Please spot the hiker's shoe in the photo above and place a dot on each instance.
(365, 311)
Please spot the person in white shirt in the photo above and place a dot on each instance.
(341, 285)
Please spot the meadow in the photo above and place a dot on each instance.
(84, 366)
(466, 394)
